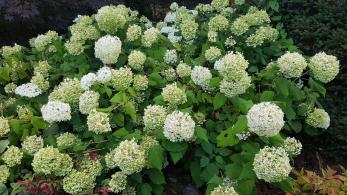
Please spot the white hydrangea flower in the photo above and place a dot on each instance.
(201, 76)
(118, 182)
(218, 64)
(56, 111)
(212, 36)
(12, 156)
(134, 32)
(291, 65)
(88, 101)
(173, 38)
(174, 6)
(318, 118)
(88, 80)
(212, 54)
(224, 190)
(4, 174)
(170, 56)
(154, 117)
(179, 126)
(218, 23)
(324, 67)
(32, 144)
(174, 95)
(104, 74)
(233, 66)
(272, 164)
(108, 48)
(29, 90)
(98, 122)
(150, 36)
(183, 70)
(136, 59)
(170, 17)
(265, 119)
(188, 29)
(122, 78)
(292, 146)
(129, 157)
(232, 88)
(4, 126)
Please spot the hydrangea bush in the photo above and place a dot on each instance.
(106, 107)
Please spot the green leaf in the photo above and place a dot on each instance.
(4, 73)
(219, 100)
(296, 126)
(233, 170)
(316, 86)
(247, 171)
(156, 176)
(267, 96)
(246, 187)
(156, 157)
(119, 119)
(204, 161)
(228, 137)
(38, 122)
(119, 98)
(174, 146)
(145, 189)
(285, 185)
(242, 104)
(130, 110)
(120, 133)
(282, 87)
(3, 145)
(176, 156)
(201, 133)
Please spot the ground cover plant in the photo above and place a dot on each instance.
(108, 106)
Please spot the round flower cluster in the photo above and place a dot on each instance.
(109, 161)
(150, 36)
(318, 118)
(265, 119)
(233, 66)
(136, 59)
(104, 74)
(183, 70)
(212, 36)
(179, 126)
(271, 164)
(74, 48)
(40, 81)
(174, 95)
(218, 23)
(4, 126)
(91, 166)
(169, 74)
(29, 90)
(134, 32)
(118, 182)
(291, 65)
(170, 56)
(32, 144)
(129, 157)
(108, 48)
(129, 191)
(189, 29)
(42, 68)
(230, 42)
(110, 19)
(232, 88)
(154, 117)
(122, 78)
(67, 140)
(10, 87)
(261, 35)
(24, 113)
(44, 41)
(292, 146)
(224, 190)
(55, 111)
(88, 80)
(78, 182)
(170, 17)
(201, 76)
(4, 174)
(8, 51)
(219, 4)
(68, 91)
(148, 142)
(324, 67)
(49, 161)
(12, 156)
(89, 100)
(212, 54)
(140, 82)
(98, 122)
(253, 18)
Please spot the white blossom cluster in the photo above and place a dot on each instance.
(170, 56)
(104, 74)
(32, 144)
(183, 70)
(98, 122)
(55, 111)
(122, 78)
(154, 117)
(108, 48)
(89, 100)
(174, 95)
(201, 76)
(140, 82)
(271, 164)
(324, 67)
(291, 65)
(232, 88)
(179, 126)
(4, 126)
(12, 156)
(224, 190)
(68, 91)
(29, 90)
(134, 32)
(4, 174)
(118, 182)
(318, 118)
(292, 146)
(150, 36)
(265, 119)
(212, 54)
(234, 66)
(111, 18)
(88, 80)
(136, 59)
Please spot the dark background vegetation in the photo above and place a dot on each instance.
(315, 25)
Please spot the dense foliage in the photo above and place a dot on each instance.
(109, 105)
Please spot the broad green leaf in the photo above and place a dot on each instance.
(316, 86)
(242, 104)
(295, 125)
(176, 156)
(4, 73)
(38, 122)
(119, 98)
(267, 96)
(285, 185)
(174, 146)
(201, 133)
(156, 157)
(130, 110)
(3, 145)
(282, 86)
(233, 170)
(219, 100)
(145, 189)
(120, 133)
(156, 176)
